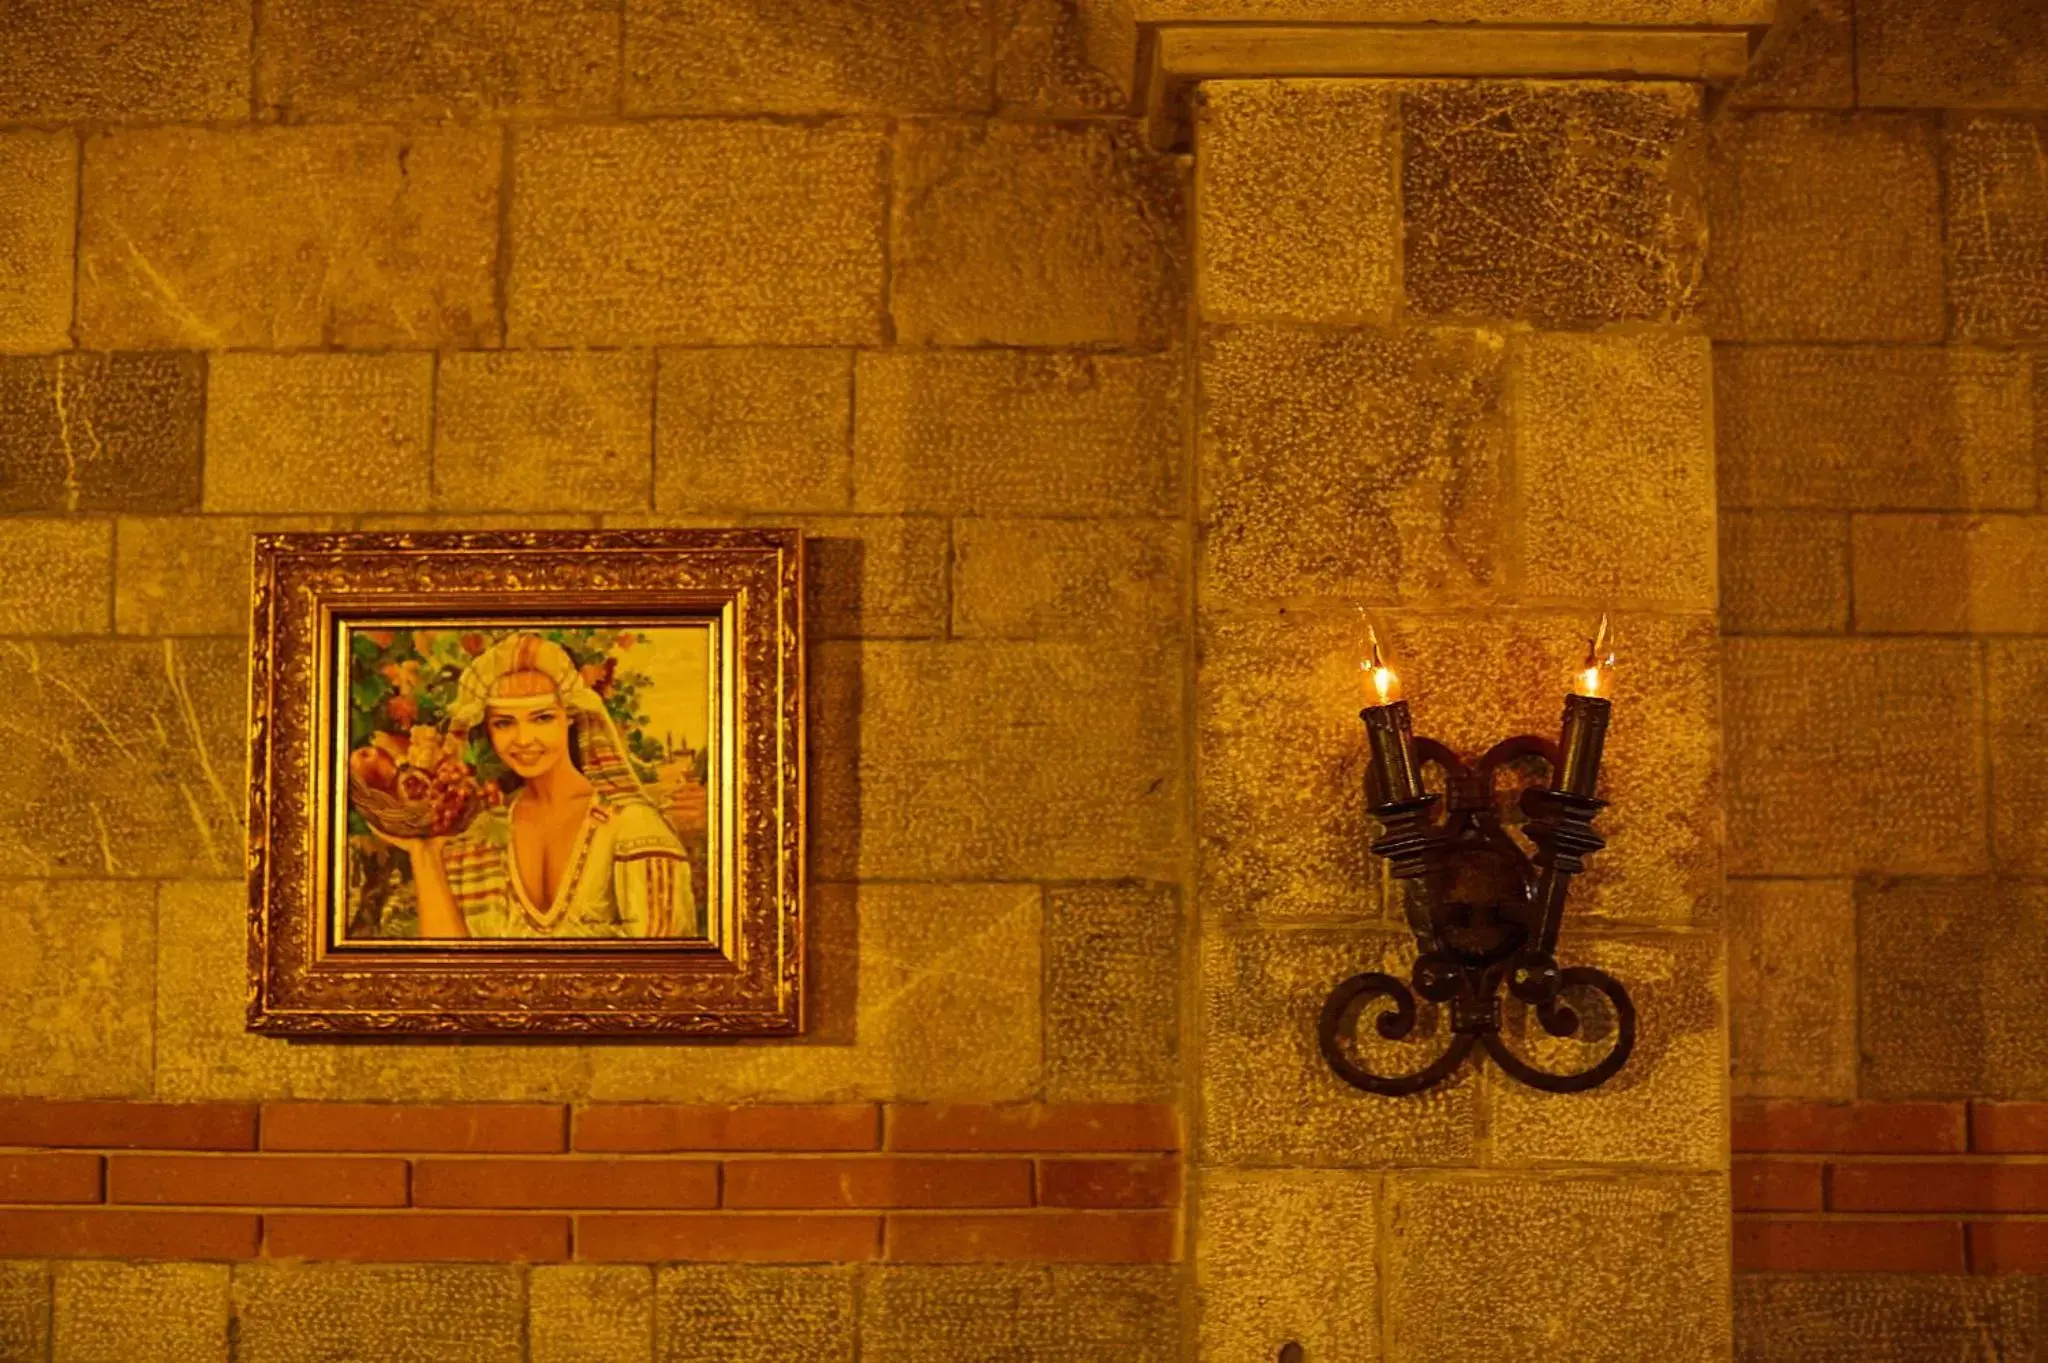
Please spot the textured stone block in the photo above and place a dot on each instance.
(285, 1312)
(1298, 201)
(24, 1310)
(824, 56)
(38, 200)
(552, 431)
(1807, 60)
(1269, 1097)
(1912, 574)
(1792, 988)
(1013, 434)
(1045, 62)
(1099, 265)
(1112, 993)
(1060, 579)
(54, 577)
(1454, 1293)
(1288, 1256)
(581, 1313)
(1833, 229)
(124, 59)
(190, 574)
(1965, 54)
(1883, 1317)
(440, 60)
(754, 430)
(876, 577)
(1558, 203)
(1350, 463)
(1049, 1314)
(1997, 230)
(119, 1313)
(79, 975)
(1617, 492)
(976, 760)
(101, 432)
(2017, 674)
(697, 232)
(1873, 429)
(748, 1313)
(319, 432)
(210, 238)
(1784, 572)
(1847, 757)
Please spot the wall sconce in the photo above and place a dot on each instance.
(1486, 913)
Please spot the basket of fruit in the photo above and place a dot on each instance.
(415, 785)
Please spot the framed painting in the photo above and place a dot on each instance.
(527, 784)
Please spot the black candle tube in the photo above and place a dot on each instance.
(1585, 734)
(1394, 777)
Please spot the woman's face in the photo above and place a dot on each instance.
(530, 741)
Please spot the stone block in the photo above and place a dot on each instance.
(120, 1313)
(997, 433)
(875, 577)
(1947, 995)
(1792, 988)
(125, 758)
(1288, 1256)
(440, 60)
(752, 1313)
(1351, 464)
(1269, 1097)
(1617, 489)
(1061, 579)
(975, 760)
(544, 431)
(1784, 572)
(1965, 54)
(1873, 429)
(584, 1313)
(1911, 574)
(197, 238)
(1451, 1292)
(1559, 203)
(55, 575)
(1853, 756)
(1060, 1313)
(24, 1309)
(78, 974)
(63, 60)
(2017, 675)
(1883, 1317)
(88, 432)
(1807, 60)
(754, 430)
(1833, 229)
(1100, 263)
(1997, 230)
(1665, 1106)
(327, 433)
(190, 574)
(290, 1311)
(823, 56)
(1298, 201)
(38, 203)
(1045, 62)
(1112, 993)
(697, 232)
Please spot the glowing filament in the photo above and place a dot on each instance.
(1591, 679)
(1386, 686)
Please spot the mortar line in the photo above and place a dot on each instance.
(619, 80)
(891, 131)
(1187, 1013)
(654, 429)
(77, 226)
(501, 272)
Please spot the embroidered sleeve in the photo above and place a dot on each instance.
(651, 878)
(477, 878)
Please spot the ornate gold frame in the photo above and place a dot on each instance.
(746, 980)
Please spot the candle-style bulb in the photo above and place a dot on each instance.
(1591, 678)
(1381, 680)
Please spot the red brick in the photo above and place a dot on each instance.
(256, 1180)
(100, 1233)
(2009, 1128)
(1776, 1185)
(1938, 1186)
(458, 1128)
(1850, 1128)
(139, 1126)
(2009, 1246)
(1766, 1244)
(764, 1237)
(400, 1237)
(568, 1183)
(1034, 1237)
(1034, 1127)
(652, 1128)
(1108, 1182)
(49, 1178)
(877, 1181)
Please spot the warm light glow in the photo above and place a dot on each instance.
(1386, 686)
(1591, 678)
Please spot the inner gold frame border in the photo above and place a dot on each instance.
(745, 980)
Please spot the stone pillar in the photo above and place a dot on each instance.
(1450, 368)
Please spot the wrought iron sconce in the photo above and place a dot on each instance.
(1484, 913)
